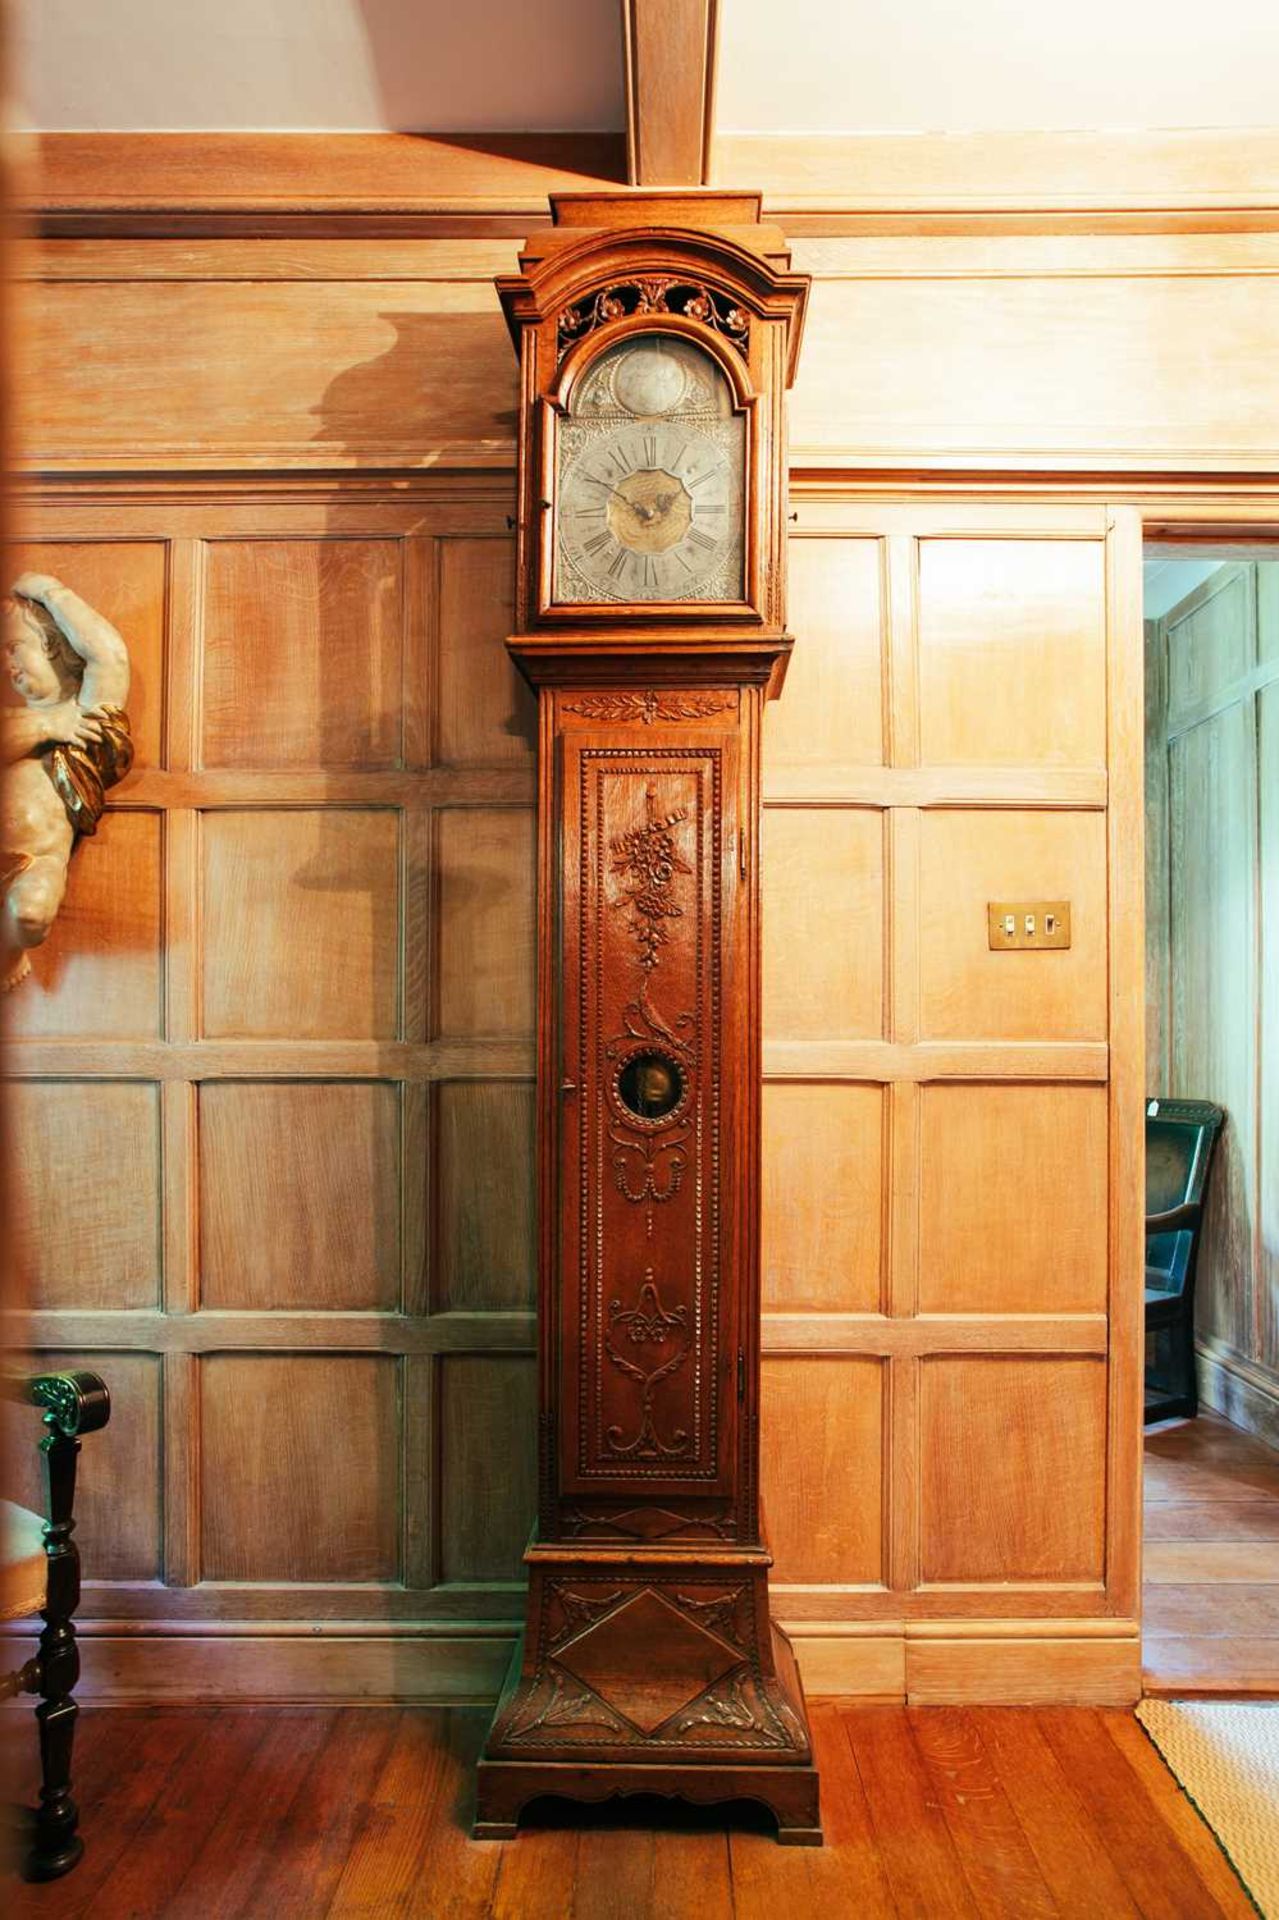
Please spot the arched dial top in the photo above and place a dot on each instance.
(650, 494)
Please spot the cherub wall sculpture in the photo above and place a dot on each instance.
(62, 749)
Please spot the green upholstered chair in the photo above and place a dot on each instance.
(1180, 1137)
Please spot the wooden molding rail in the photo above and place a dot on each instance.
(331, 186)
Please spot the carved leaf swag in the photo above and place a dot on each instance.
(649, 860)
(580, 1610)
(647, 1324)
(654, 293)
(729, 1706)
(649, 706)
(570, 1705)
(717, 1613)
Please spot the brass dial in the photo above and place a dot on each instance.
(650, 499)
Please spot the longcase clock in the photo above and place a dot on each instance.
(657, 335)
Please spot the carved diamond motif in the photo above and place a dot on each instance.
(647, 1659)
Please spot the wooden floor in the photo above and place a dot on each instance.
(1211, 1603)
(298, 1811)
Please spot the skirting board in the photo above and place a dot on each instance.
(1005, 1663)
(1243, 1392)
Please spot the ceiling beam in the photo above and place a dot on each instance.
(670, 90)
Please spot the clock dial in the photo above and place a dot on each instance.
(650, 496)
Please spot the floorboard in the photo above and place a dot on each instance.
(1211, 1595)
(932, 1812)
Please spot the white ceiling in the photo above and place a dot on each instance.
(1167, 582)
(448, 66)
(809, 66)
(875, 66)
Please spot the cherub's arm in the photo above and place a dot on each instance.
(105, 656)
(25, 730)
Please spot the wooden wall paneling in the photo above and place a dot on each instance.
(488, 1469)
(420, 1473)
(1211, 641)
(278, 1500)
(1125, 851)
(118, 1499)
(1267, 1270)
(99, 976)
(966, 990)
(485, 921)
(486, 714)
(824, 871)
(85, 1192)
(125, 580)
(1012, 652)
(1158, 982)
(318, 888)
(482, 1209)
(821, 1425)
(301, 655)
(180, 1465)
(300, 1195)
(1013, 1478)
(831, 717)
(823, 1198)
(324, 386)
(1215, 944)
(1014, 1187)
(1213, 806)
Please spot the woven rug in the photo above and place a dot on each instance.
(1225, 1755)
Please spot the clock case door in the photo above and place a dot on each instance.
(557, 411)
(655, 1298)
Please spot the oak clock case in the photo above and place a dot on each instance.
(656, 339)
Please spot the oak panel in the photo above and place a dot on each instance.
(299, 1467)
(1013, 1186)
(301, 653)
(261, 370)
(1214, 641)
(125, 580)
(117, 1507)
(821, 1445)
(823, 1169)
(86, 1192)
(831, 714)
(299, 1188)
(968, 858)
(823, 873)
(97, 977)
(488, 1465)
(1012, 1468)
(486, 712)
(1012, 653)
(301, 917)
(1213, 859)
(485, 923)
(483, 1237)
(1267, 1280)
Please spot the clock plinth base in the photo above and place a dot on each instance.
(660, 1675)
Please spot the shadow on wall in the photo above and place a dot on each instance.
(549, 66)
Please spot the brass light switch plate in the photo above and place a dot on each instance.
(1016, 926)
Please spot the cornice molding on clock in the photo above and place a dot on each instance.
(368, 186)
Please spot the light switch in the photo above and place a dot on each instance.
(1020, 926)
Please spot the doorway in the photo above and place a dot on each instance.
(1211, 1599)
